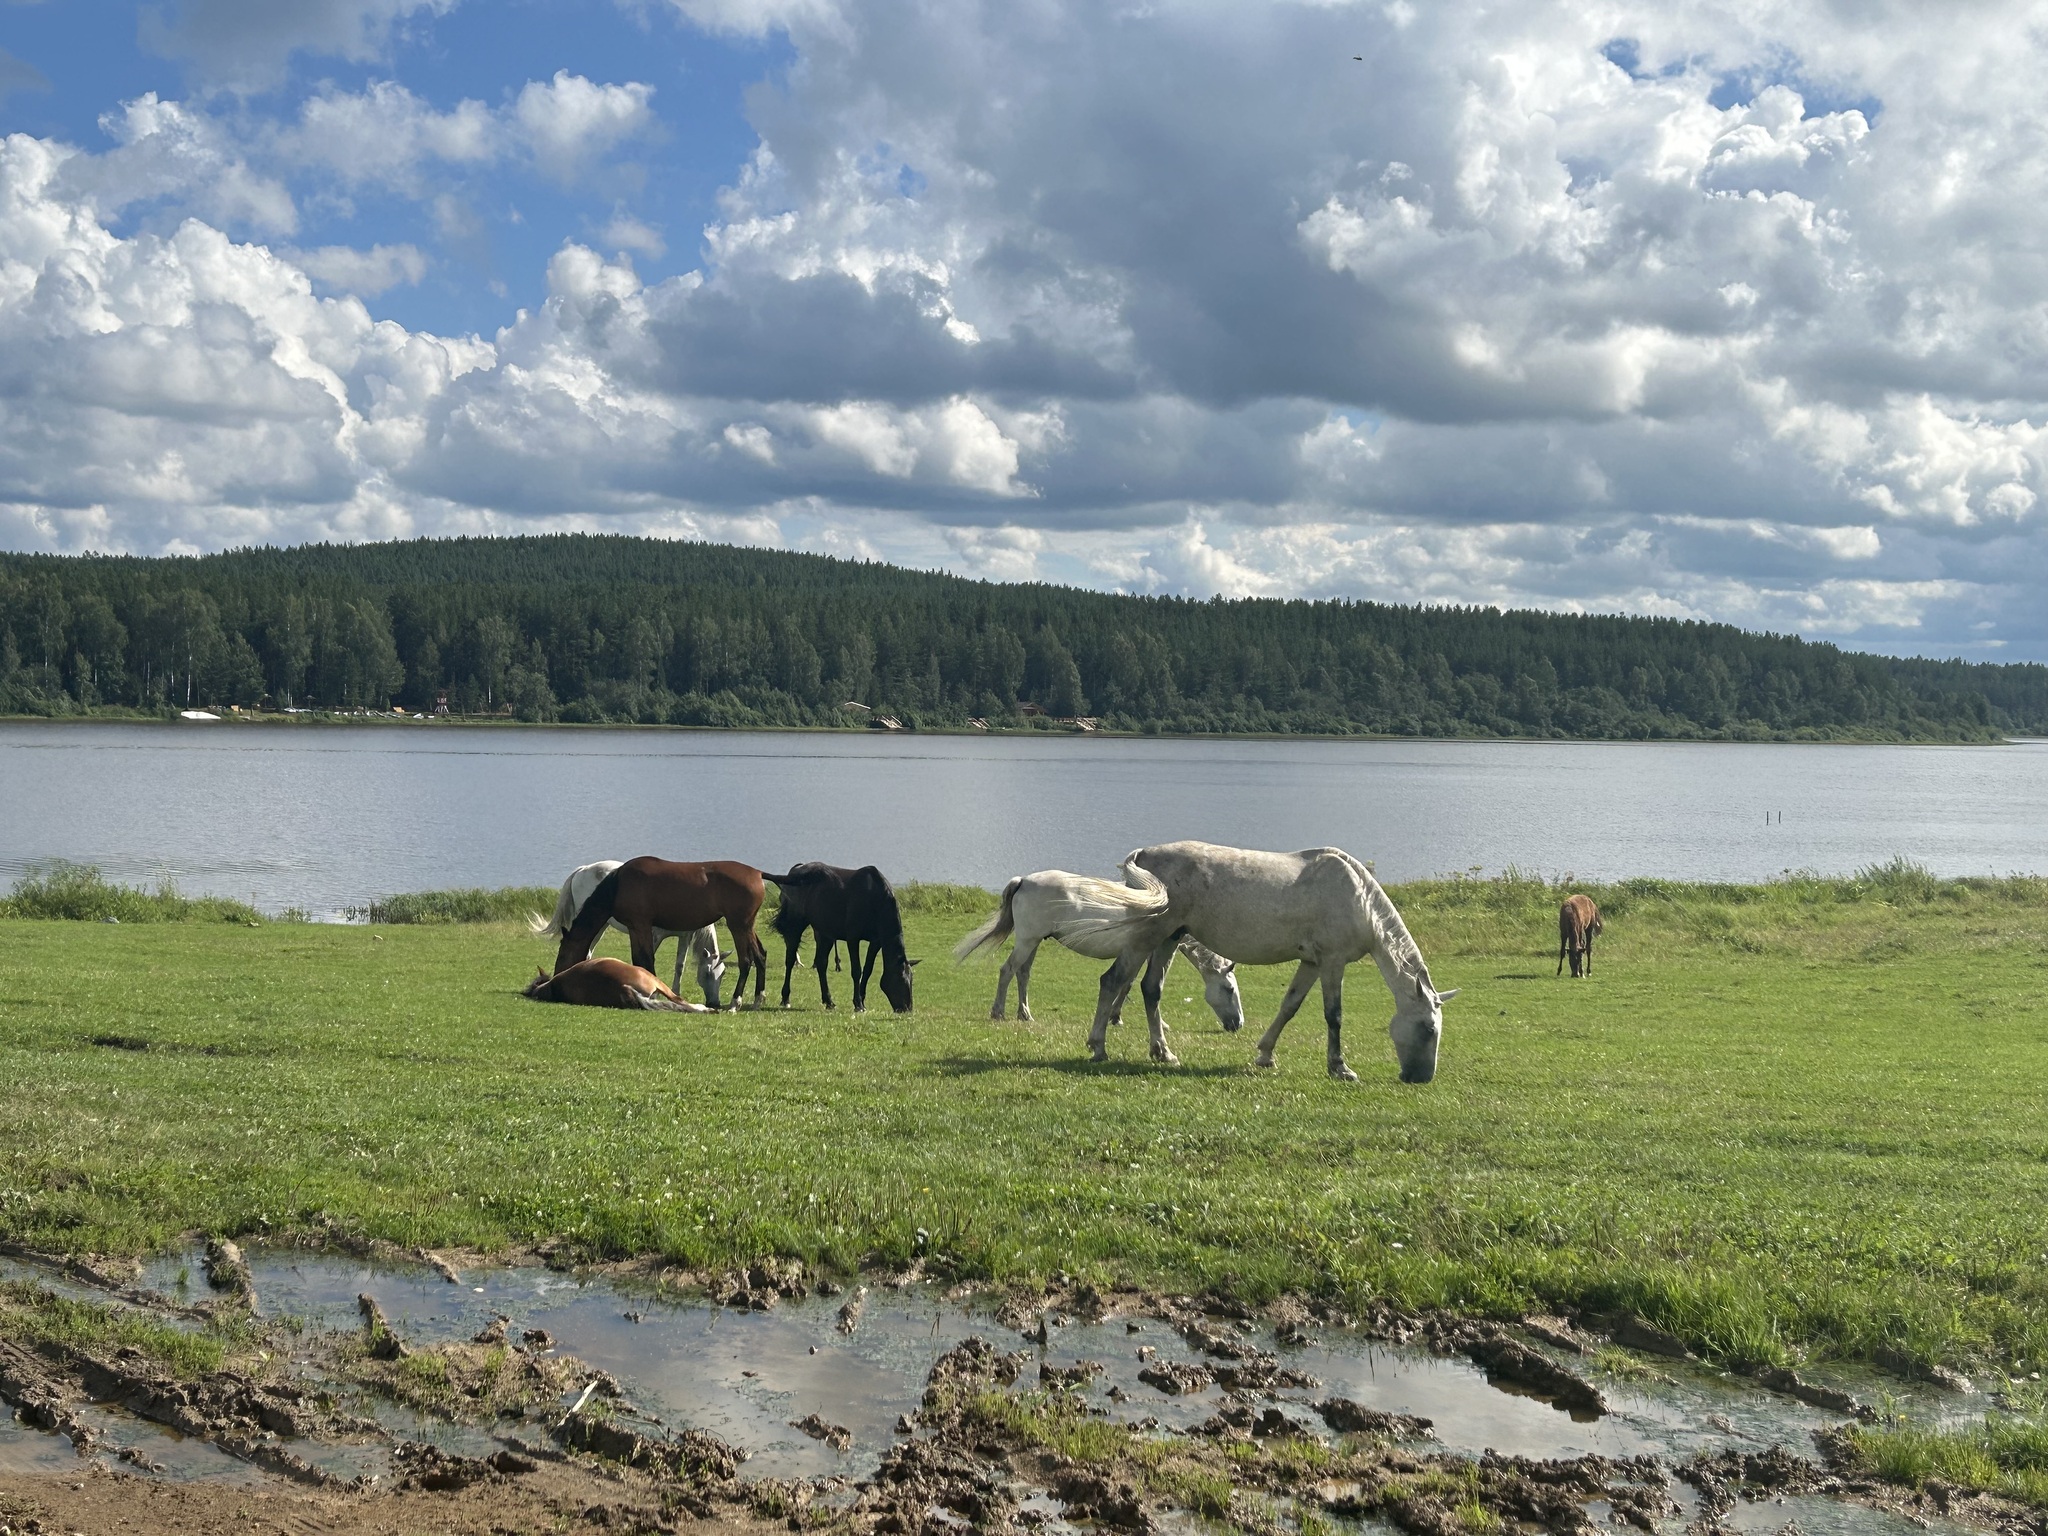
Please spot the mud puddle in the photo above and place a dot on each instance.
(747, 1376)
(804, 1396)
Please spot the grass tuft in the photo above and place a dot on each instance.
(79, 893)
(2004, 1454)
(37, 1316)
(508, 904)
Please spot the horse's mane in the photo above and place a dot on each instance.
(1390, 934)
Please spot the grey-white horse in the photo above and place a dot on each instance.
(1320, 908)
(1096, 918)
(702, 942)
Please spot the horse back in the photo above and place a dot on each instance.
(1577, 918)
(682, 897)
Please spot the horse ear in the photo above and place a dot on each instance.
(911, 965)
(1445, 997)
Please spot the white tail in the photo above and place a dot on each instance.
(994, 931)
(565, 914)
(1098, 916)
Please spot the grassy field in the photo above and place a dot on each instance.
(1804, 1118)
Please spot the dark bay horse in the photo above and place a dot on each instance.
(854, 905)
(1578, 920)
(648, 894)
(608, 983)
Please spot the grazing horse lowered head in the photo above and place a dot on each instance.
(703, 943)
(608, 983)
(854, 905)
(1320, 908)
(1578, 920)
(647, 895)
(1091, 917)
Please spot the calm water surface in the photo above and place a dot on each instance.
(327, 817)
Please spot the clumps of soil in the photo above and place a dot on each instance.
(1264, 1376)
(1069, 1377)
(1350, 1418)
(1176, 1379)
(758, 1287)
(850, 1309)
(690, 1455)
(838, 1436)
(1792, 1384)
(227, 1270)
(1505, 1359)
(243, 1414)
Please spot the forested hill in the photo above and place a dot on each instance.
(591, 628)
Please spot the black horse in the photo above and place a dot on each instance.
(856, 905)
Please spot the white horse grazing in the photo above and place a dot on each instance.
(1094, 918)
(1320, 908)
(703, 942)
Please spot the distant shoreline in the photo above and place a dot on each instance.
(335, 719)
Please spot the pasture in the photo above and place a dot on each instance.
(1800, 1119)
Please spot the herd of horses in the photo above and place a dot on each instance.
(1216, 906)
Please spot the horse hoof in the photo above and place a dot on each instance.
(1098, 1055)
(998, 1015)
(1342, 1073)
(1166, 1058)
(1024, 1016)
(1263, 1059)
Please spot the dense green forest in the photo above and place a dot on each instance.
(585, 628)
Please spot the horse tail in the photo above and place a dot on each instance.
(996, 929)
(1102, 914)
(565, 914)
(581, 935)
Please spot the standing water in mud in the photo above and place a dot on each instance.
(831, 1394)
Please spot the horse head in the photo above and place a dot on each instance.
(1220, 987)
(896, 971)
(538, 985)
(1417, 1027)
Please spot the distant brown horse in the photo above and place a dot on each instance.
(608, 983)
(647, 894)
(1578, 920)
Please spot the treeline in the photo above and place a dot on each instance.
(586, 628)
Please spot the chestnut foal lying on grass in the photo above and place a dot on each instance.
(607, 983)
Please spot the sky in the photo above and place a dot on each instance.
(1735, 311)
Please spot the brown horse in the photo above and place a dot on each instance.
(647, 894)
(1578, 920)
(608, 983)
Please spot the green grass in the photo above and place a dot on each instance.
(1801, 1117)
(38, 1317)
(2005, 1454)
(508, 904)
(79, 893)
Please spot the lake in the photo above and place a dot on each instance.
(325, 817)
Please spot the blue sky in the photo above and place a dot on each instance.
(95, 53)
(1728, 309)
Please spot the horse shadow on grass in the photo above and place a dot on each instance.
(976, 1066)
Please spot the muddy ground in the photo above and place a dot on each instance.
(1004, 1440)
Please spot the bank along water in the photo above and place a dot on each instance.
(853, 1368)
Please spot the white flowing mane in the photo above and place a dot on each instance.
(1390, 934)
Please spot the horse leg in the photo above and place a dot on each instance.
(1333, 1016)
(792, 945)
(824, 950)
(1589, 953)
(1563, 943)
(642, 939)
(1115, 986)
(1297, 989)
(1151, 988)
(867, 970)
(1021, 956)
(998, 1008)
(704, 944)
